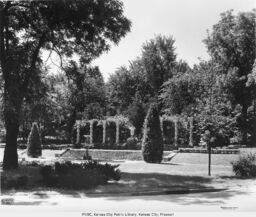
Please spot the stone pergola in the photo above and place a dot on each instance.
(174, 119)
(80, 123)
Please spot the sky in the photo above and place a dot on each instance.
(186, 20)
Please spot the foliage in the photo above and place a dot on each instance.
(34, 148)
(232, 45)
(132, 143)
(86, 28)
(168, 132)
(219, 128)
(180, 94)
(16, 182)
(126, 85)
(88, 174)
(152, 143)
(97, 132)
(245, 166)
(136, 114)
(159, 59)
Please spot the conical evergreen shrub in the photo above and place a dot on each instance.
(34, 148)
(152, 143)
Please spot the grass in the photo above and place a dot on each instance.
(180, 158)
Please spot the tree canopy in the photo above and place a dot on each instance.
(86, 28)
(231, 43)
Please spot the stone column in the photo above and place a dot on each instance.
(104, 124)
(78, 133)
(117, 132)
(191, 129)
(176, 132)
(132, 131)
(91, 132)
(161, 125)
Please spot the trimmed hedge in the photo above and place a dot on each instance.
(34, 148)
(152, 143)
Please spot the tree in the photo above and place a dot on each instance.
(34, 148)
(232, 44)
(180, 94)
(34, 108)
(152, 142)
(127, 84)
(159, 59)
(251, 82)
(86, 94)
(66, 27)
(136, 114)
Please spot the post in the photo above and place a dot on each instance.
(132, 131)
(117, 132)
(176, 132)
(78, 132)
(191, 129)
(209, 162)
(91, 132)
(104, 132)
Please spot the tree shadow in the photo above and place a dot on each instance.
(149, 186)
(139, 183)
(163, 187)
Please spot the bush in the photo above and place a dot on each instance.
(152, 143)
(245, 166)
(34, 148)
(132, 143)
(87, 175)
(14, 181)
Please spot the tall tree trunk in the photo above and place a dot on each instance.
(12, 108)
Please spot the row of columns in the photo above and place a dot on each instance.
(104, 127)
(176, 130)
(104, 123)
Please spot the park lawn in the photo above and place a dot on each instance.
(136, 177)
(185, 171)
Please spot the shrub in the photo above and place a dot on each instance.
(14, 181)
(245, 166)
(34, 148)
(87, 175)
(49, 176)
(152, 143)
(132, 143)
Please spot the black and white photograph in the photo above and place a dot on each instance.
(127, 108)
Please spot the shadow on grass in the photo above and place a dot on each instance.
(146, 186)
(163, 183)
(140, 184)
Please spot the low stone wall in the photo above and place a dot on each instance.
(213, 151)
